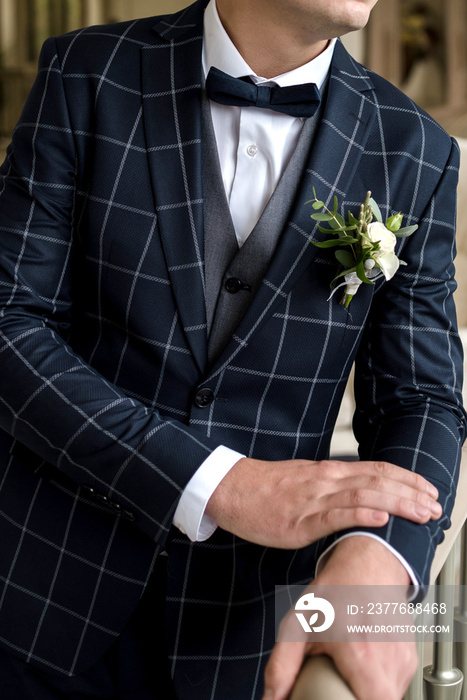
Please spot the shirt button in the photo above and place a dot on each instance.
(252, 150)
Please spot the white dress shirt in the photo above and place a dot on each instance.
(254, 147)
(254, 144)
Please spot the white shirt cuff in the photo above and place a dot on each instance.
(408, 568)
(189, 516)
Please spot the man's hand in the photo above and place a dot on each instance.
(373, 670)
(291, 504)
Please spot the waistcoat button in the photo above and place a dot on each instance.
(234, 285)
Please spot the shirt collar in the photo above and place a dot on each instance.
(219, 51)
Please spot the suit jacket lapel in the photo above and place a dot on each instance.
(337, 149)
(171, 79)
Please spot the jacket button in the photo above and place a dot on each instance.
(234, 285)
(204, 398)
(88, 491)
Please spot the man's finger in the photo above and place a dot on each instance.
(409, 507)
(386, 470)
(388, 485)
(282, 669)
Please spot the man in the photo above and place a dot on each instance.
(160, 376)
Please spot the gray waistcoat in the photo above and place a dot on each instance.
(234, 274)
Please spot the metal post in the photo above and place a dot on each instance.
(441, 680)
(460, 615)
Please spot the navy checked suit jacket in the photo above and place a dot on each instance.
(103, 346)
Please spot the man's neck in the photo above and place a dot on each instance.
(291, 46)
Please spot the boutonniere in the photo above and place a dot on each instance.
(365, 248)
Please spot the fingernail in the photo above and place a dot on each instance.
(421, 511)
(433, 491)
(435, 508)
(379, 516)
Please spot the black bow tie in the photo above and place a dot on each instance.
(296, 100)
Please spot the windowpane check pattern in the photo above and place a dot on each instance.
(103, 346)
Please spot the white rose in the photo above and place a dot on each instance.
(378, 233)
(385, 257)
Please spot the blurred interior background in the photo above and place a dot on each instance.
(419, 45)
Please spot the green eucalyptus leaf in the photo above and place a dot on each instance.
(376, 210)
(328, 244)
(322, 217)
(406, 231)
(345, 258)
(334, 225)
(318, 205)
(340, 219)
(339, 225)
(347, 240)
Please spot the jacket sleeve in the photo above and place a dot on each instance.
(51, 401)
(408, 378)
